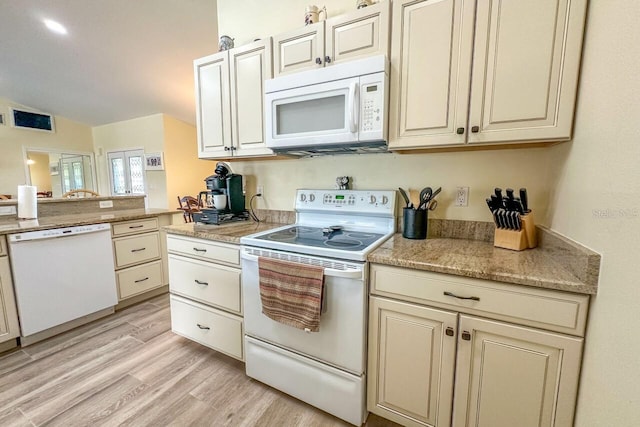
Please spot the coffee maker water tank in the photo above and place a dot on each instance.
(235, 202)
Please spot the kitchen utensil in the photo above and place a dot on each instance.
(525, 200)
(436, 192)
(414, 196)
(425, 196)
(404, 196)
(431, 205)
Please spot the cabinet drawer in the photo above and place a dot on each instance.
(137, 249)
(3, 246)
(204, 249)
(136, 280)
(133, 227)
(542, 308)
(206, 282)
(207, 326)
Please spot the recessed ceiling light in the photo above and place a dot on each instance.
(54, 26)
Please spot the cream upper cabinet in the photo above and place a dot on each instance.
(484, 71)
(298, 50)
(360, 33)
(514, 376)
(213, 106)
(229, 101)
(411, 369)
(506, 373)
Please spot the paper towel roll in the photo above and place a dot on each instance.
(27, 201)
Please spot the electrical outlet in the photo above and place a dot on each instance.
(462, 196)
(260, 190)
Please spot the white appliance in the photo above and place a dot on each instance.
(335, 229)
(331, 110)
(61, 275)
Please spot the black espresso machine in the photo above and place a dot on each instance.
(223, 201)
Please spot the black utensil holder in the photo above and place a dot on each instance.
(414, 223)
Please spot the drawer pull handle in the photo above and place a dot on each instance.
(201, 283)
(466, 336)
(203, 327)
(449, 294)
(136, 226)
(141, 280)
(138, 250)
(199, 250)
(449, 331)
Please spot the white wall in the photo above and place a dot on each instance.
(597, 202)
(69, 135)
(144, 132)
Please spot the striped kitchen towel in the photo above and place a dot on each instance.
(291, 293)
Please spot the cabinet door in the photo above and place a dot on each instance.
(411, 362)
(525, 69)
(431, 44)
(9, 328)
(509, 375)
(213, 107)
(298, 50)
(361, 33)
(250, 66)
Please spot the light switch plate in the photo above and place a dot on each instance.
(106, 204)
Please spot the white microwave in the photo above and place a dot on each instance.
(338, 109)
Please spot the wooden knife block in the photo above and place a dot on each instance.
(517, 240)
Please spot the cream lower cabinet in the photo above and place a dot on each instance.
(229, 101)
(436, 359)
(206, 293)
(363, 32)
(9, 327)
(140, 257)
(483, 71)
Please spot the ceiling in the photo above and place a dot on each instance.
(121, 59)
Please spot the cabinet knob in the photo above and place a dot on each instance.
(460, 131)
(226, 148)
(233, 148)
(327, 59)
(466, 336)
(449, 331)
(475, 129)
(318, 60)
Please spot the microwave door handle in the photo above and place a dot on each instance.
(353, 118)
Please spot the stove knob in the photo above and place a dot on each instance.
(385, 200)
(303, 197)
(372, 199)
(312, 197)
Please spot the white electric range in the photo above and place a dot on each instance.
(335, 229)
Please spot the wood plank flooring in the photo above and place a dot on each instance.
(129, 369)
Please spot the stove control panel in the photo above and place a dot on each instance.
(369, 201)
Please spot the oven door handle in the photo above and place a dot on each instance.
(330, 272)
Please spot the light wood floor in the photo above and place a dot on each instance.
(130, 369)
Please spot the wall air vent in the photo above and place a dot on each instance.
(25, 119)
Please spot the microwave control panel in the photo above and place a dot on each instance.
(373, 93)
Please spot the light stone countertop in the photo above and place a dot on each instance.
(59, 221)
(227, 233)
(481, 260)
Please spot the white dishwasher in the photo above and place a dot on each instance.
(61, 275)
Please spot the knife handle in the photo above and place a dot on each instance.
(524, 199)
(510, 193)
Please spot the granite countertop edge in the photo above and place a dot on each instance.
(72, 220)
(542, 271)
(225, 233)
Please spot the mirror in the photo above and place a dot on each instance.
(56, 172)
